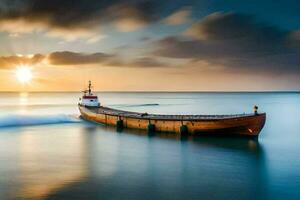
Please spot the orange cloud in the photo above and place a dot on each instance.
(7, 62)
(179, 17)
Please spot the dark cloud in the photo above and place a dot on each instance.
(147, 62)
(235, 41)
(140, 62)
(224, 26)
(60, 58)
(127, 15)
(64, 14)
(74, 58)
(7, 62)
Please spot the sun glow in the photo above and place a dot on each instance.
(23, 74)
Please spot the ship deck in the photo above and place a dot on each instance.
(138, 115)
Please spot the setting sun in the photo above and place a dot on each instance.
(23, 74)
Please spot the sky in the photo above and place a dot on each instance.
(150, 45)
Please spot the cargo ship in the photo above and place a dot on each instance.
(235, 125)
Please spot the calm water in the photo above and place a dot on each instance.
(47, 152)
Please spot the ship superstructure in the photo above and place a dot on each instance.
(89, 99)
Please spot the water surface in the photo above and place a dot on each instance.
(47, 152)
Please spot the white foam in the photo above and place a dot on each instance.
(27, 120)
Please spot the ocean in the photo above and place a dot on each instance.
(48, 152)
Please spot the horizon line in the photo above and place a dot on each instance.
(162, 91)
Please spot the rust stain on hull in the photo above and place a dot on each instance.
(242, 124)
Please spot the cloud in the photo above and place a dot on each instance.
(236, 42)
(142, 62)
(225, 26)
(146, 62)
(128, 18)
(77, 19)
(7, 62)
(74, 58)
(102, 59)
(91, 36)
(179, 17)
(95, 39)
(64, 58)
(128, 24)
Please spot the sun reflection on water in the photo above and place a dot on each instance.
(42, 175)
(23, 102)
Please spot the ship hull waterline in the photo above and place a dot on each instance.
(234, 125)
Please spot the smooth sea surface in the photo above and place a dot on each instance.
(48, 152)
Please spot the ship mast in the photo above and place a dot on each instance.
(90, 88)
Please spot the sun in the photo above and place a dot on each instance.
(23, 74)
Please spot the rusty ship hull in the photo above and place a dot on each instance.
(240, 124)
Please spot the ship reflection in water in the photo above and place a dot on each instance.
(91, 162)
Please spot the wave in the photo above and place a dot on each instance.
(30, 120)
(36, 105)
